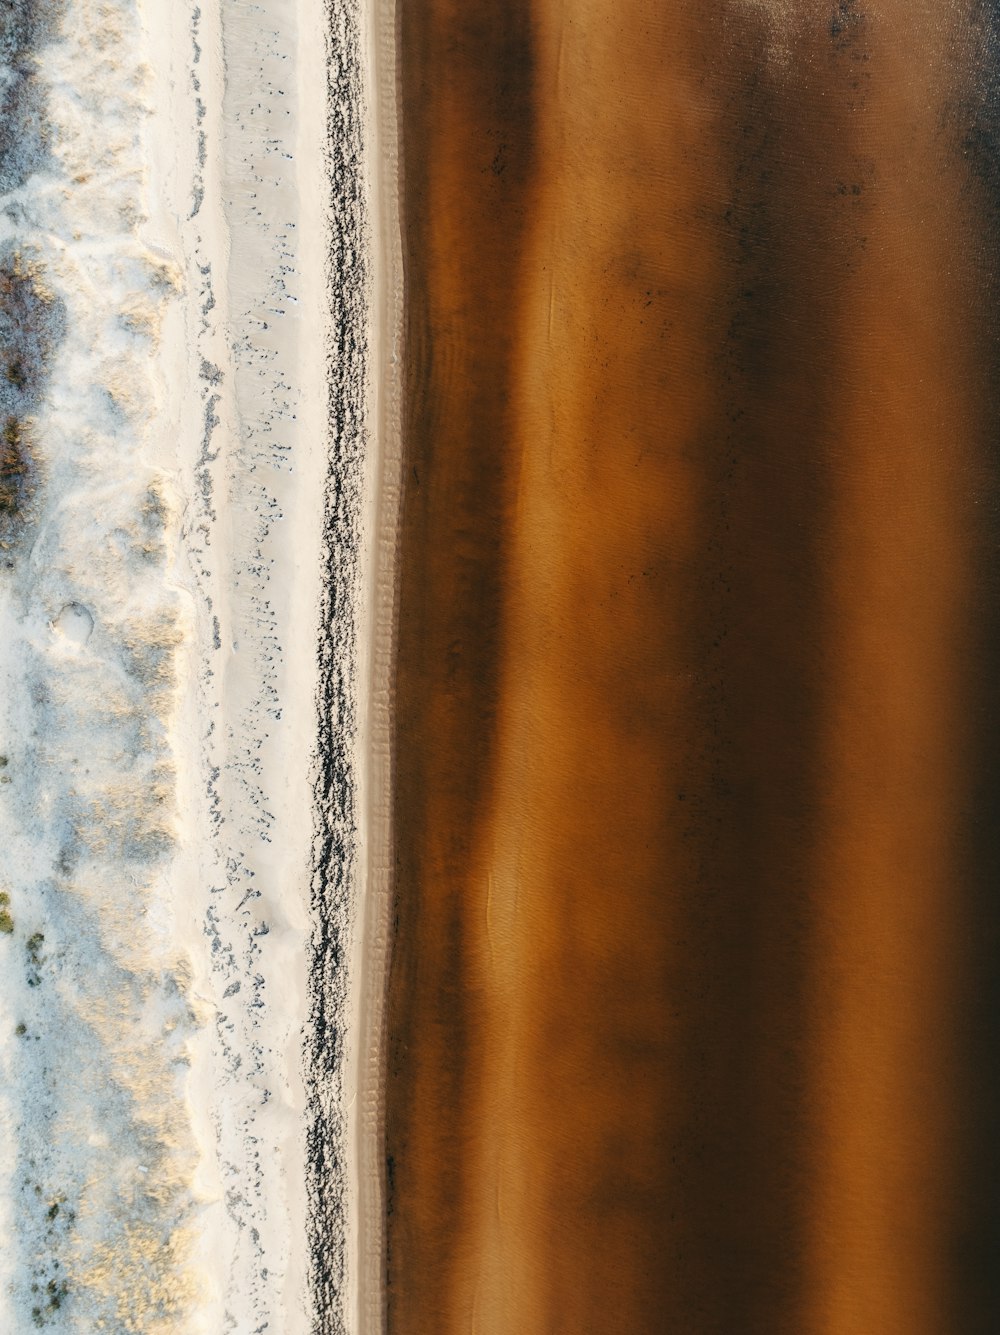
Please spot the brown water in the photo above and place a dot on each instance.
(692, 1011)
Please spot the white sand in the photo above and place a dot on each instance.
(253, 343)
(158, 640)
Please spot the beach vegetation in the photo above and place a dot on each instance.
(32, 321)
(53, 1295)
(13, 467)
(34, 949)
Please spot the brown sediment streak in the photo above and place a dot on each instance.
(896, 750)
(692, 980)
(466, 142)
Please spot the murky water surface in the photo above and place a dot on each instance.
(692, 1013)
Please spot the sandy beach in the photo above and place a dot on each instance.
(284, 241)
(498, 633)
(194, 635)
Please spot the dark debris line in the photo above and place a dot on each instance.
(334, 860)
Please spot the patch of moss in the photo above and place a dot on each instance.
(6, 921)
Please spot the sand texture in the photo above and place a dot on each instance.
(187, 506)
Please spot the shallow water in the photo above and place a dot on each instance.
(690, 1014)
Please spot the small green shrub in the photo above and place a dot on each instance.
(13, 466)
(34, 948)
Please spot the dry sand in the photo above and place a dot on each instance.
(307, 293)
(289, 351)
(242, 193)
(198, 269)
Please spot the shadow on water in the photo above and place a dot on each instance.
(972, 122)
(735, 1213)
(466, 145)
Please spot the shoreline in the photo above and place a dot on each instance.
(353, 781)
(384, 516)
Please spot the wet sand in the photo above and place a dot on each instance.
(691, 1014)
